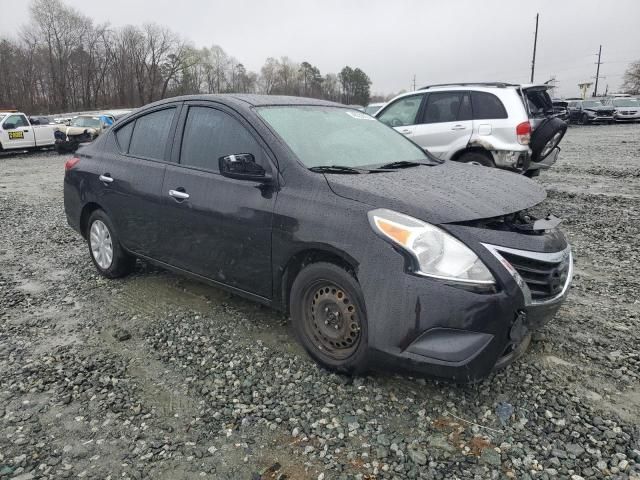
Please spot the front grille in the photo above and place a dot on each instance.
(544, 279)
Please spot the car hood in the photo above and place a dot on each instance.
(604, 108)
(445, 193)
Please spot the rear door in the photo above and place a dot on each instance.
(17, 132)
(445, 123)
(219, 227)
(129, 175)
(402, 114)
(490, 119)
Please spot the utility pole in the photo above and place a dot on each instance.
(414, 83)
(595, 89)
(535, 44)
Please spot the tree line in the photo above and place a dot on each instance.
(63, 61)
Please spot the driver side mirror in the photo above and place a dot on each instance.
(242, 166)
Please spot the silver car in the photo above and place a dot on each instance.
(491, 124)
(625, 109)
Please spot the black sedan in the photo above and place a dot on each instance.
(383, 255)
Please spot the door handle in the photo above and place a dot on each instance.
(178, 194)
(105, 178)
(406, 131)
(26, 131)
(458, 127)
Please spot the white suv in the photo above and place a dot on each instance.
(492, 124)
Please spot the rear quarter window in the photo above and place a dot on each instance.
(487, 106)
(150, 135)
(123, 136)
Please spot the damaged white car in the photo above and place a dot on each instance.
(80, 130)
(491, 124)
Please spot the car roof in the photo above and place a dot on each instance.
(254, 100)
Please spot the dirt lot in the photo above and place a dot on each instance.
(155, 376)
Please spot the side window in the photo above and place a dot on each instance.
(15, 121)
(442, 107)
(123, 136)
(486, 106)
(210, 134)
(150, 134)
(402, 112)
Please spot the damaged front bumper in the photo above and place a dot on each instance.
(460, 333)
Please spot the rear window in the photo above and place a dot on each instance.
(150, 134)
(487, 106)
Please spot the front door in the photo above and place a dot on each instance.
(17, 132)
(446, 124)
(402, 114)
(219, 227)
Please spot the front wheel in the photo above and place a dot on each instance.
(329, 319)
(584, 119)
(107, 254)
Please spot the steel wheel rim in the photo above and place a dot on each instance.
(101, 244)
(551, 144)
(332, 320)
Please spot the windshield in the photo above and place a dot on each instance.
(371, 109)
(86, 122)
(591, 103)
(339, 136)
(626, 102)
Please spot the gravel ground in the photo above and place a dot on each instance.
(155, 376)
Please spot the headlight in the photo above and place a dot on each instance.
(436, 253)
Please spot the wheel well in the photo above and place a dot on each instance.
(87, 210)
(479, 150)
(300, 260)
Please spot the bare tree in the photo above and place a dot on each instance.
(631, 83)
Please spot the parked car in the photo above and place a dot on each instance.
(491, 124)
(383, 254)
(624, 109)
(18, 133)
(372, 108)
(561, 109)
(589, 111)
(82, 129)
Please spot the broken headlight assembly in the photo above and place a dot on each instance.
(435, 252)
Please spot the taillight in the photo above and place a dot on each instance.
(69, 164)
(523, 132)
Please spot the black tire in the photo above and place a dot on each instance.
(546, 138)
(532, 173)
(584, 119)
(320, 290)
(477, 158)
(121, 262)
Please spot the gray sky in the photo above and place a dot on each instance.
(391, 40)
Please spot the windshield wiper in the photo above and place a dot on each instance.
(337, 169)
(405, 164)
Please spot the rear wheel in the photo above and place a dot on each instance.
(477, 158)
(106, 252)
(328, 316)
